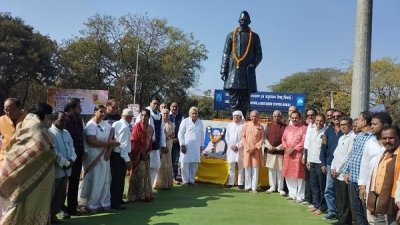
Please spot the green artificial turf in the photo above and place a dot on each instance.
(206, 204)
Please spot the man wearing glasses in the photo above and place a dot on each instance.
(329, 143)
(13, 115)
(112, 111)
(340, 156)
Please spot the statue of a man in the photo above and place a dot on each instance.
(242, 54)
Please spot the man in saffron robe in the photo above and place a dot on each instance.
(274, 153)
(252, 138)
(293, 168)
(242, 54)
(13, 115)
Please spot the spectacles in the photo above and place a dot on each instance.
(336, 116)
(344, 124)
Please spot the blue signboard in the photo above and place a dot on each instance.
(264, 101)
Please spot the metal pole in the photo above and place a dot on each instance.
(362, 58)
(136, 73)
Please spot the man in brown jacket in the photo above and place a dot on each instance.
(383, 182)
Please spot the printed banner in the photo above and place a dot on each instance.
(264, 101)
(135, 108)
(58, 98)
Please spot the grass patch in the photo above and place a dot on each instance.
(206, 204)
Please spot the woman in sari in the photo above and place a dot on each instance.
(139, 182)
(94, 190)
(164, 176)
(27, 172)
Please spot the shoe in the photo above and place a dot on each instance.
(228, 186)
(83, 209)
(300, 201)
(312, 209)
(177, 182)
(122, 202)
(289, 198)
(304, 202)
(241, 187)
(254, 191)
(74, 213)
(269, 191)
(55, 220)
(118, 207)
(64, 215)
(282, 193)
(317, 212)
(330, 217)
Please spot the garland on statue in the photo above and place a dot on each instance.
(237, 59)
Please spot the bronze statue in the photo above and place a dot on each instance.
(242, 54)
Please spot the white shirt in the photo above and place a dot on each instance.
(372, 152)
(192, 136)
(313, 142)
(233, 138)
(123, 136)
(342, 152)
(64, 149)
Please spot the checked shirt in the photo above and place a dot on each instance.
(352, 165)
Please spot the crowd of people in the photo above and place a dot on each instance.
(346, 169)
(60, 164)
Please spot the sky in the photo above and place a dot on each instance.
(296, 35)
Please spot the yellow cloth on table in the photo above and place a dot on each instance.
(212, 171)
(216, 171)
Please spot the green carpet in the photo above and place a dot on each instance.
(206, 204)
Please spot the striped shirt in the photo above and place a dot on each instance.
(352, 165)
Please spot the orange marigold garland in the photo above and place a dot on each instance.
(217, 137)
(237, 59)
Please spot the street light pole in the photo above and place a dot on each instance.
(136, 74)
(362, 58)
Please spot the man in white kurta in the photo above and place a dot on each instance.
(159, 139)
(191, 140)
(234, 153)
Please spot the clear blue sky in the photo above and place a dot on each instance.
(296, 35)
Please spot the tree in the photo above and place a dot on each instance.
(105, 57)
(26, 57)
(384, 86)
(317, 85)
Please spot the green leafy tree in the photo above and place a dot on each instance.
(26, 58)
(104, 57)
(384, 85)
(316, 84)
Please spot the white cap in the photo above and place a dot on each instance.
(216, 133)
(127, 112)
